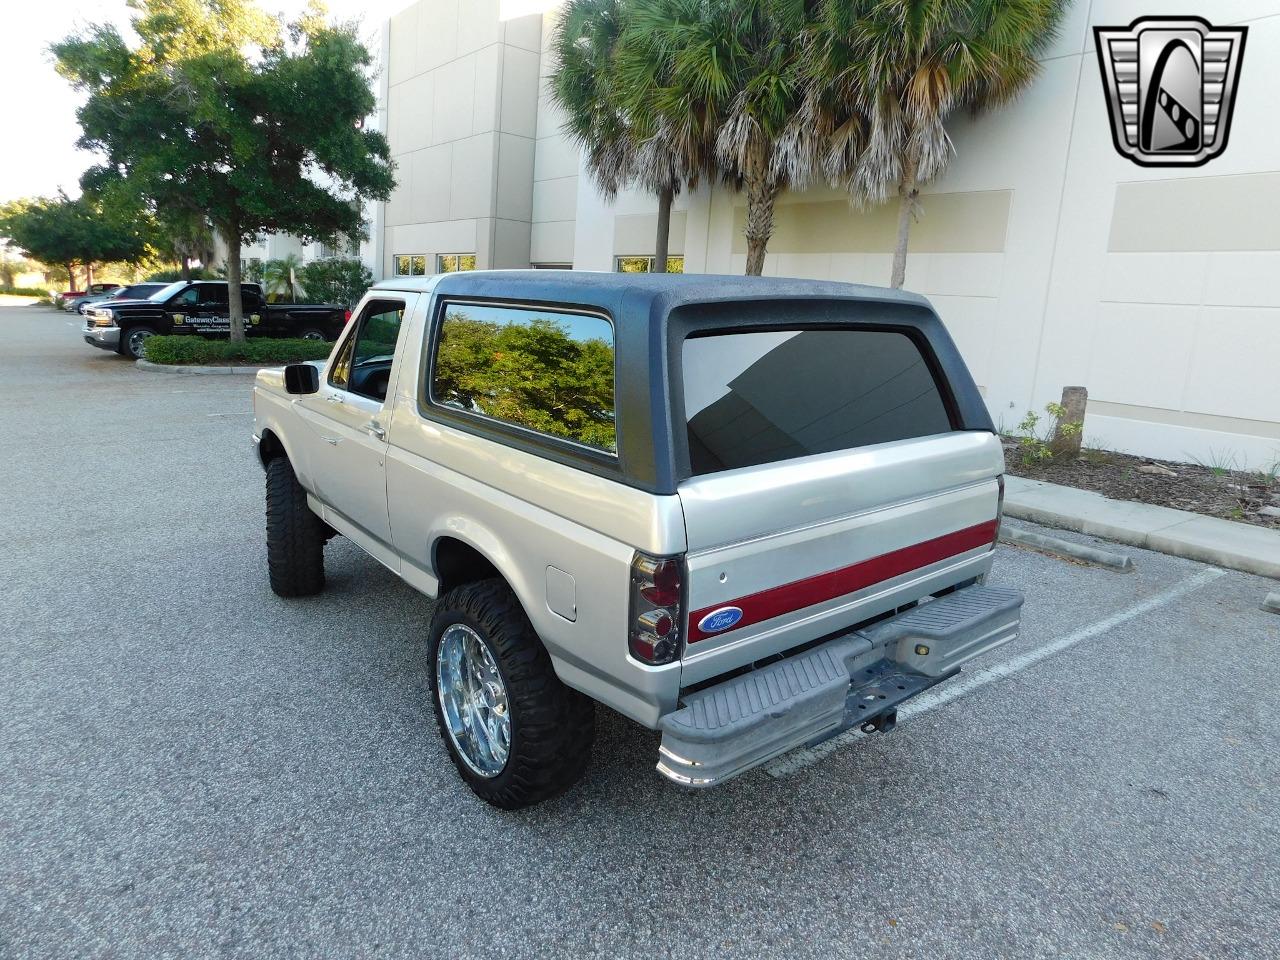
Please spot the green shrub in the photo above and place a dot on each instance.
(24, 292)
(1038, 447)
(335, 280)
(201, 352)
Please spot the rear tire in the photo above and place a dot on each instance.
(551, 726)
(311, 333)
(295, 535)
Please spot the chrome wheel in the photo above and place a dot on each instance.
(473, 699)
(136, 340)
(313, 335)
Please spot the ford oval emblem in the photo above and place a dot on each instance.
(719, 620)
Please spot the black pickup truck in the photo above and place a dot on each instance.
(199, 308)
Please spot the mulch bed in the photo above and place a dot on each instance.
(1212, 491)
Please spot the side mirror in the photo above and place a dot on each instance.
(301, 378)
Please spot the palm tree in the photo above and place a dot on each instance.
(674, 144)
(582, 85)
(281, 276)
(732, 73)
(189, 234)
(883, 76)
(606, 86)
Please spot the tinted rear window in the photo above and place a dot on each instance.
(753, 398)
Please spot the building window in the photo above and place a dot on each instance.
(345, 246)
(410, 265)
(645, 264)
(454, 262)
(551, 266)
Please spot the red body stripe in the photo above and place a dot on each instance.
(822, 587)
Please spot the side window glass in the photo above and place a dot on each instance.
(544, 370)
(363, 363)
(214, 295)
(188, 297)
(340, 372)
(379, 327)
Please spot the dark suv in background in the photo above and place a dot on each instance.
(134, 291)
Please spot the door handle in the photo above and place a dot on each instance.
(375, 428)
(335, 398)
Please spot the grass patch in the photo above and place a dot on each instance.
(24, 292)
(189, 350)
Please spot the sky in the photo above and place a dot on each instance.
(37, 150)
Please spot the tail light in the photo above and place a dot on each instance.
(346, 315)
(657, 593)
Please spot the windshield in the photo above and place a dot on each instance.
(164, 293)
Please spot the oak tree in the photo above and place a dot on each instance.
(225, 111)
(74, 233)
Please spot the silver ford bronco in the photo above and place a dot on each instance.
(749, 513)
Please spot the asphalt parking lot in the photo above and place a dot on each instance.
(193, 767)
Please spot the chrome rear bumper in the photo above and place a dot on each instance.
(858, 679)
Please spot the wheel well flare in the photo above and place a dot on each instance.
(456, 563)
(270, 447)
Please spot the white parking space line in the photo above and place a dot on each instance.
(964, 685)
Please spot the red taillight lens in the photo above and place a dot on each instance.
(657, 585)
(663, 588)
(346, 315)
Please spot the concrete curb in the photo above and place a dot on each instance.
(1119, 562)
(175, 368)
(1223, 543)
(1272, 603)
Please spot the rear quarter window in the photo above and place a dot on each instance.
(765, 396)
(539, 369)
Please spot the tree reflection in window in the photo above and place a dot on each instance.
(547, 371)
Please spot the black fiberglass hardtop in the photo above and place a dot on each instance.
(654, 315)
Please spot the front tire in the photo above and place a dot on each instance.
(517, 735)
(133, 339)
(295, 535)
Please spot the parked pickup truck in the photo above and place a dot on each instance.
(199, 308)
(92, 289)
(747, 512)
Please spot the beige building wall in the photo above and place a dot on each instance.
(555, 172)
(1164, 293)
(462, 92)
